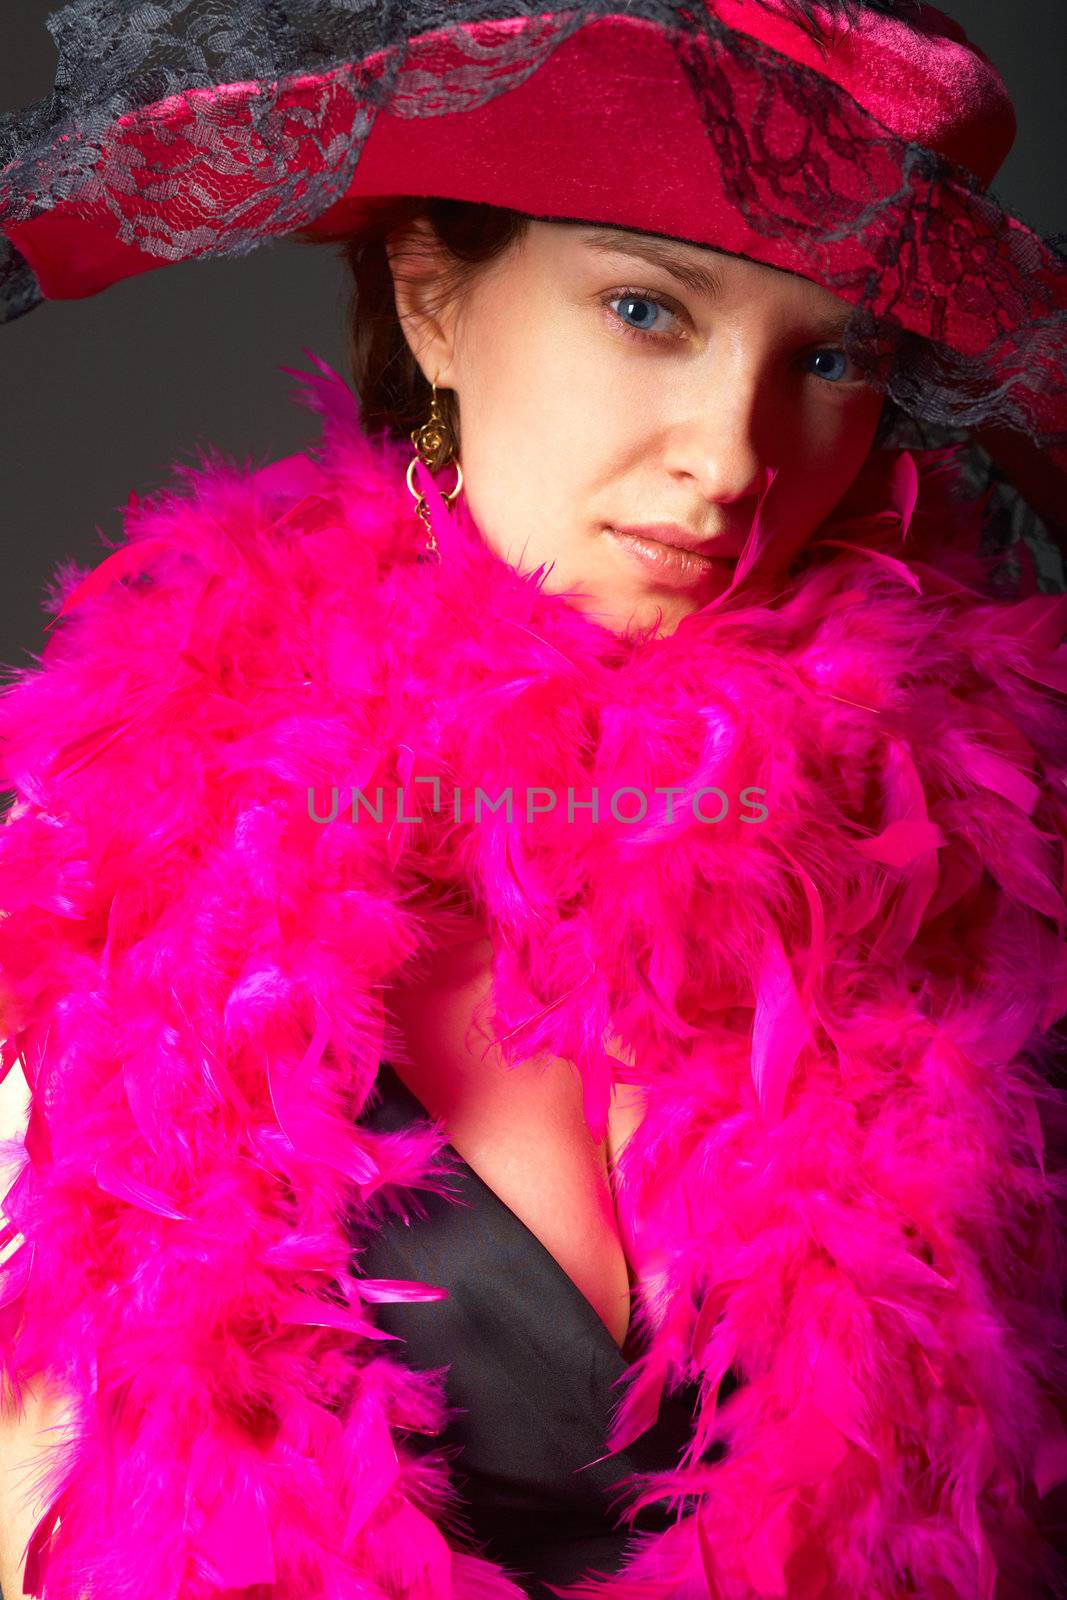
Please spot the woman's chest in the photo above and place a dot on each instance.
(521, 1129)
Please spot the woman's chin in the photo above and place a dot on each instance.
(627, 607)
(656, 614)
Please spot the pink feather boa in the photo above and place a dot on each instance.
(839, 997)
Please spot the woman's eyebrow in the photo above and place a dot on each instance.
(658, 253)
(700, 280)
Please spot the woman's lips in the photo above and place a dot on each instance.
(678, 569)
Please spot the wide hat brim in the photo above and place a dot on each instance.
(616, 120)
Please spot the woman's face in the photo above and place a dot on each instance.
(600, 390)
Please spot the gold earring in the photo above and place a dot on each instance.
(435, 446)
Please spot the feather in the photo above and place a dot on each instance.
(827, 953)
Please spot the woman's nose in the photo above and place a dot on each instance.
(723, 446)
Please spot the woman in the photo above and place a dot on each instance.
(709, 903)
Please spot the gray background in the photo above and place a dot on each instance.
(99, 396)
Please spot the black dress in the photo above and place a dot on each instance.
(531, 1367)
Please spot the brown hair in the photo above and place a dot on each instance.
(393, 393)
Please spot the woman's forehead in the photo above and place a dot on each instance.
(705, 270)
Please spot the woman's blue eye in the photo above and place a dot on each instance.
(834, 355)
(643, 306)
(645, 323)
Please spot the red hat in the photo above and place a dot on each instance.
(854, 147)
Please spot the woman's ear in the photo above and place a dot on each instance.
(424, 292)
